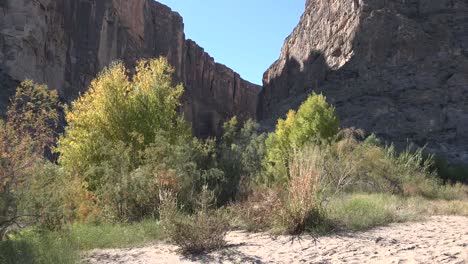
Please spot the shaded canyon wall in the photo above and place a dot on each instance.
(398, 68)
(65, 43)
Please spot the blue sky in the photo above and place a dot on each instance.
(245, 35)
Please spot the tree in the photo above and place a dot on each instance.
(315, 122)
(28, 131)
(240, 153)
(117, 110)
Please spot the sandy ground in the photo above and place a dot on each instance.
(441, 239)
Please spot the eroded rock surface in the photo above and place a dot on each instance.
(65, 43)
(398, 68)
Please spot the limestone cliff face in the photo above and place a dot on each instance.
(397, 68)
(65, 43)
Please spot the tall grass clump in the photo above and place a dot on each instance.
(362, 211)
(301, 204)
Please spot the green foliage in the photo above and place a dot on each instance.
(127, 193)
(46, 198)
(383, 169)
(117, 110)
(32, 247)
(34, 112)
(315, 122)
(240, 153)
(359, 212)
(451, 173)
(25, 136)
(118, 235)
(126, 141)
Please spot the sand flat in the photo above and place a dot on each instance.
(440, 239)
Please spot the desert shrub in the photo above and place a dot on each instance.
(256, 212)
(25, 136)
(315, 122)
(203, 231)
(184, 168)
(290, 209)
(239, 155)
(199, 233)
(373, 167)
(117, 110)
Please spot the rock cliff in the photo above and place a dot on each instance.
(398, 68)
(65, 43)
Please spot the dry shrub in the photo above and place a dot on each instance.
(301, 204)
(255, 213)
(198, 233)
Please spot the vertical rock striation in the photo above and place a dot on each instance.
(398, 68)
(65, 43)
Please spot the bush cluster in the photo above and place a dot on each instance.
(127, 154)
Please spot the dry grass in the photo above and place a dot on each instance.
(255, 213)
(194, 234)
(302, 202)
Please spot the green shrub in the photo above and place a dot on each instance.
(371, 167)
(125, 140)
(315, 122)
(293, 208)
(26, 135)
(35, 247)
(46, 198)
(239, 154)
(450, 173)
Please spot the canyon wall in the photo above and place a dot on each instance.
(65, 43)
(397, 68)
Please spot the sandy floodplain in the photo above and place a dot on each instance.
(440, 239)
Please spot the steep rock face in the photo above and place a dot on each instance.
(65, 43)
(397, 68)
